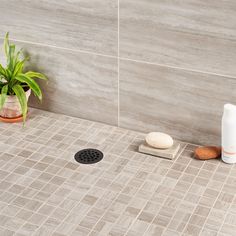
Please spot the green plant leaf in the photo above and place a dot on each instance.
(8, 74)
(13, 80)
(20, 94)
(18, 54)
(6, 44)
(11, 58)
(18, 67)
(31, 83)
(37, 75)
(16, 60)
(3, 95)
(3, 72)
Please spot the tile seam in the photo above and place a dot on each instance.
(118, 61)
(93, 228)
(151, 223)
(187, 223)
(136, 218)
(177, 67)
(226, 212)
(177, 208)
(107, 210)
(125, 58)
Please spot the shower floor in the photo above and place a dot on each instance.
(44, 191)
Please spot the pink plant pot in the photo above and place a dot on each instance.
(11, 108)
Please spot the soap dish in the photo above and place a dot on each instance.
(169, 153)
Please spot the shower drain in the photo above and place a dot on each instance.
(88, 156)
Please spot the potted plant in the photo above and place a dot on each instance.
(16, 85)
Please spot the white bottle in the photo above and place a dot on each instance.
(229, 134)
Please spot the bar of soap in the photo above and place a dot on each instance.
(207, 152)
(159, 140)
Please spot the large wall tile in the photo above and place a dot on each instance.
(77, 24)
(184, 104)
(81, 85)
(214, 18)
(196, 34)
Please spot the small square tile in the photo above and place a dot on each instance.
(37, 219)
(24, 214)
(46, 209)
(44, 192)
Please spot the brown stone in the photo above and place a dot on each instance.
(207, 152)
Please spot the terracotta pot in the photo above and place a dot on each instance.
(12, 108)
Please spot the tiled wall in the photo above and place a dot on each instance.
(140, 64)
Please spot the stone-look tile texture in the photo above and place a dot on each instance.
(78, 45)
(86, 89)
(186, 104)
(195, 34)
(43, 191)
(78, 25)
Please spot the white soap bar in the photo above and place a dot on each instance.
(159, 140)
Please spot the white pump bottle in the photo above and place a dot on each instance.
(229, 134)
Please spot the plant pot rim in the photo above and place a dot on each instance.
(27, 91)
(11, 120)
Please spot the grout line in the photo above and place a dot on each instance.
(178, 208)
(62, 48)
(164, 228)
(118, 62)
(185, 194)
(226, 211)
(38, 190)
(120, 139)
(58, 207)
(114, 200)
(124, 58)
(118, 194)
(43, 202)
(187, 223)
(72, 209)
(164, 177)
(176, 67)
(62, 222)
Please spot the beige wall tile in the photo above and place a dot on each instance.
(83, 25)
(163, 99)
(92, 89)
(192, 35)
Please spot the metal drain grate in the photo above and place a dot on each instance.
(88, 156)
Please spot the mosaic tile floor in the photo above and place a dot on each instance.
(43, 191)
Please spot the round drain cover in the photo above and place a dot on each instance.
(88, 156)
